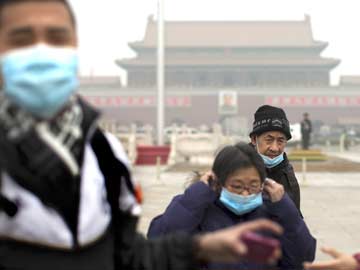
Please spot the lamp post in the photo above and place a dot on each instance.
(160, 74)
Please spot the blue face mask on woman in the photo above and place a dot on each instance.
(40, 79)
(239, 204)
(272, 162)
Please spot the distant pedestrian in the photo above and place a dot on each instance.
(306, 129)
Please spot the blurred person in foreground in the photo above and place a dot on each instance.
(340, 261)
(236, 192)
(67, 200)
(271, 131)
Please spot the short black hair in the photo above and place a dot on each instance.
(4, 3)
(236, 157)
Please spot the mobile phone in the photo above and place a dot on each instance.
(260, 248)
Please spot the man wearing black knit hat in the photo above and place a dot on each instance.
(270, 134)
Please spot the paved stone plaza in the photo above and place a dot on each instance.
(330, 203)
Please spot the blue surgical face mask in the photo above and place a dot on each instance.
(272, 162)
(40, 79)
(239, 204)
(268, 161)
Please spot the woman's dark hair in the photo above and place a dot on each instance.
(230, 159)
(236, 157)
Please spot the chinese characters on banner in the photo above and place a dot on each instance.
(136, 101)
(308, 101)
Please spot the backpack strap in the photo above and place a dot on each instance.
(113, 169)
(10, 208)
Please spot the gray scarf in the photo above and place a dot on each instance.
(44, 156)
(60, 134)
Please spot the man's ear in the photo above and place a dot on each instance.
(253, 140)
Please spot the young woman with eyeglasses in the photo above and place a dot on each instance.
(237, 191)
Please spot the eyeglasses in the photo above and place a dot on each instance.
(251, 189)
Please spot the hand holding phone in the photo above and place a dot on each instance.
(260, 249)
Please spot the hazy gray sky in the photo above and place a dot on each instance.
(106, 26)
